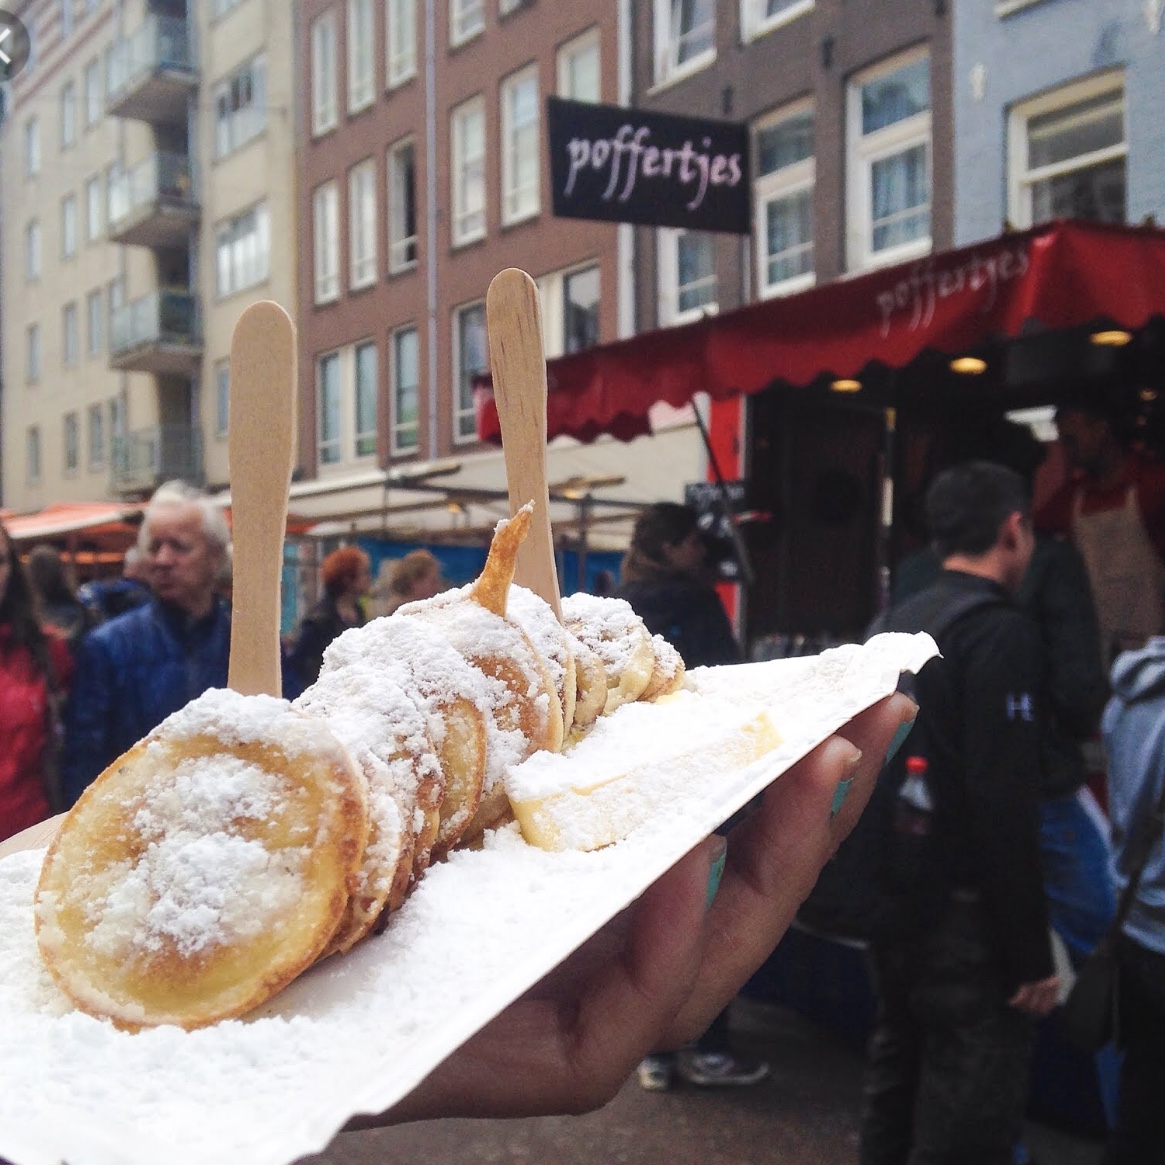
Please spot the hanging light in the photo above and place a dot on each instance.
(846, 384)
(1111, 338)
(969, 365)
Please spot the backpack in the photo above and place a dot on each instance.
(887, 881)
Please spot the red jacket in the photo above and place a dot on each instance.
(23, 723)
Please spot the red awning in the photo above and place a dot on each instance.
(1063, 275)
(96, 519)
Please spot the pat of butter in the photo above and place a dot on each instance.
(632, 762)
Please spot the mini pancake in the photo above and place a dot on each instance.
(555, 644)
(205, 868)
(590, 686)
(612, 630)
(667, 676)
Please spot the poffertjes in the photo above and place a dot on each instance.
(245, 837)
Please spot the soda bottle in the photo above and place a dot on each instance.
(914, 810)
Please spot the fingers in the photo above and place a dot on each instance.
(775, 856)
(1037, 999)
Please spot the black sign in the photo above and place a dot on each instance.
(715, 505)
(625, 165)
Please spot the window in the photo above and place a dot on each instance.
(326, 242)
(760, 16)
(70, 337)
(367, 392)
(685, 37)
(520, 193)
(362, 228)
(1069, 153)
(117, 416)
(32, 251)
(32, 453)
(469, 172)
(240, 107)
(785, 171)
(466, 19)
(94, 319)
(243, 251)
(578, 68)
(32, 354)
(68, 115)
(405, 421)
(470, 357)
(361, 70)
(687, 275)
(402, 206)
(72, 435)
(222, 397)
(328, 389)
(66, 18)
(889, 163)
(96, 436)
(401, 37)
(68, 226)
(570, 310)
(93, 210)
(32, 147)
(93, 108)
(323, 74)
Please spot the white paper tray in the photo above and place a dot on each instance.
(358, 1033)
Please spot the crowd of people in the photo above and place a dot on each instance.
(983, 871)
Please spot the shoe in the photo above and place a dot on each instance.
(721, 1069)
(655, 1073)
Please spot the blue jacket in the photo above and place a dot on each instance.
(1134, 733)
(133, 672)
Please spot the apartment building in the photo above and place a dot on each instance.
(424, 173)
(148, 167)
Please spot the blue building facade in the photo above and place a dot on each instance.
(1058, 111)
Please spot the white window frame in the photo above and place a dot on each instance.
(1019, 179)
(668, 265)
(468, 174)
(552, 299)
(781, 184)
(463, 433)
(222, 398)
(323, 449)
(96, 444)
(366, 437)
(402, 247)
(94, 322)
(68, 226)
(66, 18)
(94, 107)
(68, 115)
(466, 20)
(71, 443)
(363, 229)
(242, 251)
(326, 242)
(405, 438)
(754, 22)
(32, 354)
(863, 151)
(581, 45)
(520, 202)
(240, 107)
(668, 67)
(325, 113)
(400, 39)
(32, 251)
(94, 209)
(33, 454)
(361, 42)
(70, 335)
(32, 147)
(220, 8)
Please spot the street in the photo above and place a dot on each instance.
(805, 1113)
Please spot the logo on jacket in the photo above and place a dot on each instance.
(1020, 706)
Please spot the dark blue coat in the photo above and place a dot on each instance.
(133, 672)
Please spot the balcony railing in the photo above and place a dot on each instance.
(153, 205)
(149, 73)
(145, 458)
(158, 333)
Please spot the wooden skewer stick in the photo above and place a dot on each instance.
(514, 320)
(260, 446)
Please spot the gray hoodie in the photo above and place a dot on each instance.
(1134, 733)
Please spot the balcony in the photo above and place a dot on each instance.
(142, 460)
(158, 333)
(154, 204)
(150, 74)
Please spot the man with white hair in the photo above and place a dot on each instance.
(136, 669)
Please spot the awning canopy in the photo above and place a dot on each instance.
(98, 520)
(1061, 275)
